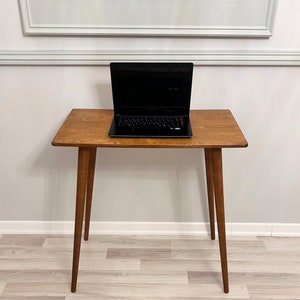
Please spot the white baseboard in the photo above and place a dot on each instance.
(280, 229)
(156, 228)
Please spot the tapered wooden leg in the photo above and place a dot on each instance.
(220, 211)
(210, 191)
(89, 191)
(82, 172)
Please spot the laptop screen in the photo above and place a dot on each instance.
(164, 88)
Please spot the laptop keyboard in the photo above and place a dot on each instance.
(166, 122)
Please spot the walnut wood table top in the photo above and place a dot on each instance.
(89, 128)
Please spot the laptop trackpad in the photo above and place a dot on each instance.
(145, 131)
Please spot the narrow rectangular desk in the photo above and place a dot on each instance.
(88, 129)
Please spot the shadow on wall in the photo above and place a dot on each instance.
(52, 173)
(155, 185)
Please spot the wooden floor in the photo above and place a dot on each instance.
(148, 267)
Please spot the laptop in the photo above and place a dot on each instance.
(151, 99)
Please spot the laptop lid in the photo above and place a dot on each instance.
(151, 88)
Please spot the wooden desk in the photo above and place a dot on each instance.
(88, 129)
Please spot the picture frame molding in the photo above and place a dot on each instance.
(176, 30)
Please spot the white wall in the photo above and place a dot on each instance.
(37, 181)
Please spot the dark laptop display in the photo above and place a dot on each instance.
(151, 99)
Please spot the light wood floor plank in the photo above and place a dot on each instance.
(40, 252)
(30, 276)
(35, 264)
(22, 240)
(214, 245)
(274, 292)
(209, 291)
(39, 289)
(65, 264)
(253, 279)
(2, 286)
(88, 276)
(141, 253)
(214, 266)
(281, 243)
(236, 255)
(33, 252)
(122, 242)
(177, 265)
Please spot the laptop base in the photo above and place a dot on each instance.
(116, 131)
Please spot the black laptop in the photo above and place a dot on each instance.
(151, 99)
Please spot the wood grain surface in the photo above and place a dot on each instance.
(89, 127)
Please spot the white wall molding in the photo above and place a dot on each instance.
(197, 18)
(155, 228)
(92, 58)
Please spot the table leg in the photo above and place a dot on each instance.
(210, 191)
(82, 174)
(89, 191)
(220, 211)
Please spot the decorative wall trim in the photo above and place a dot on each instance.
(156, 228)
(96, 58)
(214, 18)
